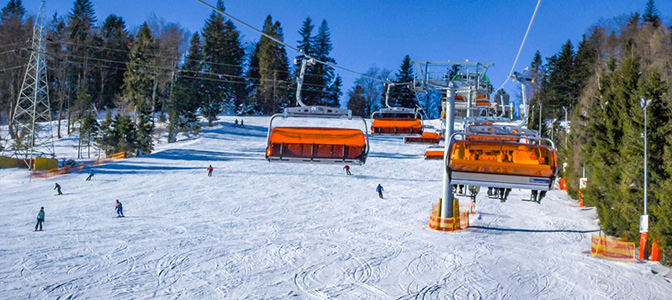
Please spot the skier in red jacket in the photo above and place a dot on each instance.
(210, 171)
(347, 170)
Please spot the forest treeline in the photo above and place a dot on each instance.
(158, 71)
(599, 87)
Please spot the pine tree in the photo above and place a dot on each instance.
(651, 15)
(403, 95)
(357, 102)
(271, 92)
(116, 44)
(323, 74)
(223, 62)
(138, 83)
(310, 92)
(183, 107)
(15, 30)
(334, 92)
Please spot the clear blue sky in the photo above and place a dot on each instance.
(380, 33)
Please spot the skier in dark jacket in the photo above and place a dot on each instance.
(380, 190)
(40, 218)
(210, 171)
(90, 175)
(119, 208)
(58, 188)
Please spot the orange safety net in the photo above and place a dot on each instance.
(396, 125)
(316, 142)
(611, 248)
(39, 175)
(503, 158)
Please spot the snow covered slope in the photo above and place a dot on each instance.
(258, 230)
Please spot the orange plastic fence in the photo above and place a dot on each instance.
(40, 175)
(396, 125)
(611, 248)
(503, 158)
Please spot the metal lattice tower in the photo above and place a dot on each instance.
(31, 120)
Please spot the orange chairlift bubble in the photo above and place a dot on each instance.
(327, 145)
(502, 164)
(396, 121)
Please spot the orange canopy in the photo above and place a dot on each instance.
(317, 135)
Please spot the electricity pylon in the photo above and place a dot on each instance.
(31, 120)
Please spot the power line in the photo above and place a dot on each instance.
(285, 44)
(508, 77)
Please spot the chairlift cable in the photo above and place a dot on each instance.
(285, 44)
(508, 77)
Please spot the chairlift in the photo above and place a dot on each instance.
(428, 137)
(326, 145)
(503, 161)
(434, 153)
(396, 121)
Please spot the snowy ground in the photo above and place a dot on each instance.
(258, 230)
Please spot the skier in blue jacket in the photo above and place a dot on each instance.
(90, 175)
(40, 218)
(380, 190)
(120, 209)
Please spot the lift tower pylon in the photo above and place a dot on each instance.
(31, 120)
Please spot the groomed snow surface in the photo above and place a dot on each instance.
(259, 230)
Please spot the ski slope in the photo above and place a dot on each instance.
(257, 230)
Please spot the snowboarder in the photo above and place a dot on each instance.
(210, 171)
(347, 170)
(58, 188)
(90, 175)
(380, 190)
(119, 208)
(40, 218)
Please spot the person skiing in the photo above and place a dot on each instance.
(380, 190)
(347, 170)
(242, 124)
(119, 208)
(210, 171)
(235, 123)
(58, 188)
(90, 175)
(40, 218)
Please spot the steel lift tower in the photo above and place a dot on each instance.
(31, 120)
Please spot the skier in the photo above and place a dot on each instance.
(90, 175)
(541, 195)
(347, 170)
(210, 171)
(58, 188)
(380, 190)
(235, 123)
(40, 218)
(119, 208)
(241, 123)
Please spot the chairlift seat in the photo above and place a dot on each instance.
(317, 145)
(426, 138)
(397, 126)
(434, 153)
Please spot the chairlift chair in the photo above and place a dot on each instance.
(503, 161)
(434, 153)
(326, 145)
(396, 121)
